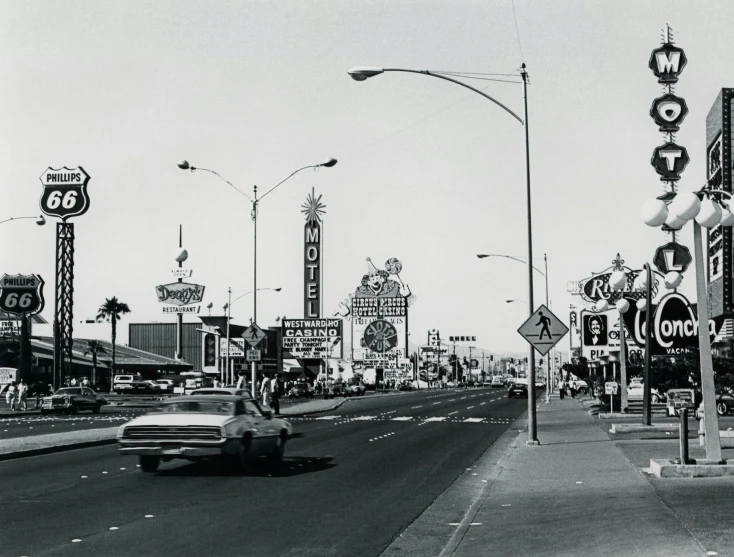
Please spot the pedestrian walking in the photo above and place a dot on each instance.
(275, 396)
(242, 380)
(10, 396)
(85, 382)
(561, 389)
(265, 391)
(22, 395)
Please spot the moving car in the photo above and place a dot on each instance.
(497, 381)
(300, 390)
(72, 400)
(635, 392)
(520, 390)
(357, 389)
(231, 428)
(221, 391)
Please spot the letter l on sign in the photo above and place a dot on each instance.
(670, 261)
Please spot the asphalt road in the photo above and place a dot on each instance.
(351, 482)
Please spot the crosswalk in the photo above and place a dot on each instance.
(406, 419)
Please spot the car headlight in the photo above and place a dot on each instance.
(121, 432)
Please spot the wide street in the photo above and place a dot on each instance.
(353, 479)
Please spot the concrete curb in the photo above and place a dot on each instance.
(57, 448)
(668, 469)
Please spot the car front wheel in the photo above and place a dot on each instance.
(722, 409)
(149, 463)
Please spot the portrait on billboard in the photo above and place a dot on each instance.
(595, 330)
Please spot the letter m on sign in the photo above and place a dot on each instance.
(668, 61)
(312, 235)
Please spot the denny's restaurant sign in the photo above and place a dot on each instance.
(180, 297)
(674, 326)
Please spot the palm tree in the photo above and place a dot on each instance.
(94, 347)
(112, 310)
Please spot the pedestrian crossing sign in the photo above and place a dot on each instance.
(543, 330)
(254, 335)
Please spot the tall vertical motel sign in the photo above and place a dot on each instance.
(64, 195)
(312, 245)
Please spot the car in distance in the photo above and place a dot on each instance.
(165, 385)
(300, 390)
(72, 400)
(518, 390)
(405, 387)
(356, 389)
(221, 391)
(497, 381)
(636, 389)
(231, 428)
(335, 389)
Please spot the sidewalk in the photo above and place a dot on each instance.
(576, 494)
(21, 447)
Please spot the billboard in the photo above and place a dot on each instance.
(600, 335)
(379, 311)
(312, 338)
(718, 174)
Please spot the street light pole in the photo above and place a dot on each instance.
(363, 73)
(229, 346)
(253, 374)
(40, 221)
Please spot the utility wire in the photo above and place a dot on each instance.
(475, 73)
(517, 30)
(481, 78)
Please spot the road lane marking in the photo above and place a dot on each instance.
(473, 420)
(469, 407)
(414, 407)
(402, 419)
(439, 402)
(436, 419)
(454, 412)
(482, 403)
(452, 399)
(326, 418)
(364, 418)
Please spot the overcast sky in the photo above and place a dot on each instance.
(428, 172)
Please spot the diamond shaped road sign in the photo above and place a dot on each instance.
(254, 335)
(543, 330)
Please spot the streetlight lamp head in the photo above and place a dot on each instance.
(278, 289)
(184, 165)
(482, 255)
(329, 163)
(361, 73)
(40, 221)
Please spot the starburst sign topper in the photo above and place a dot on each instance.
(313, 208)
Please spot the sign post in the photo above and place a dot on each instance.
(64, 195)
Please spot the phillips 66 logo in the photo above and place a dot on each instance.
(21, 294)
(65, 192)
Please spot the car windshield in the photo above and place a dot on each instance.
(69, 391)
(198, 407)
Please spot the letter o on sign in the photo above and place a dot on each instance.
(312, 254)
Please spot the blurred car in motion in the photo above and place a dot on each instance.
(231, 428)
(356, 389)
(72, 400)
(519, 390)
(221, 391)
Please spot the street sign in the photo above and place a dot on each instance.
(610, 388)
(254, 335)
(181, 273)
(64, 192)
(21, 294)
(253, 355)
(543, 330)
(672, 257)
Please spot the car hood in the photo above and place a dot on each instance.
(180, 419)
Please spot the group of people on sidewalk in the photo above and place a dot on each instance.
(268, 390)
(564, 387)
(17, 395)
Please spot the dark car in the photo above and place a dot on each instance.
(405, 387)
(72, 400)
(520, 390)
(335, 389)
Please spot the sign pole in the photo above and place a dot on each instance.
(227, 373)
(646, 410)
(711, 420)
(254, 272)
(622, 362)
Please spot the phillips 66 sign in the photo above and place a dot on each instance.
(21, 294)
(65, 192)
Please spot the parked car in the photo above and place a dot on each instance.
(519, 389)
(300, 390)
(579, 385)
(635, 392)
(405, 387)
(165, 385)
(231, 428)
(72, 400)
(356, 389)
(128, 383)
(497, 381)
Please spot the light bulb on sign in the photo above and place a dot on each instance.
(654, 212)
(618, 280)
(673, 279)
(641, 304)
(710, 214)
(686, 205)
(622, 306)
(601, 305)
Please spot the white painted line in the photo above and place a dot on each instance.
(579, 482)
(75, 540)
(326, 418)
(401, 419)
(438, 419)
(414, 407)
(482, 403)
(454, 412)
(469, 407)
(507, 505)
(104, 472)
(114, 528)
(84, 477)
(711, 553)
(484, 481)
(454, 523)
(475, 524)
(439, 402)
(148, 516)
(452, 399)
(473, 420)
(364, 418)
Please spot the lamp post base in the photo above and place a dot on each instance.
(532, 442)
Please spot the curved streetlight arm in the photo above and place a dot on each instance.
(218, 175)
(482, 256)
(426, 72)
(287, 177)
(40, 219)
(250, 292)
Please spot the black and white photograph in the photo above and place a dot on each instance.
(348, 278)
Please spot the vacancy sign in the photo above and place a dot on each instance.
(543, 330)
